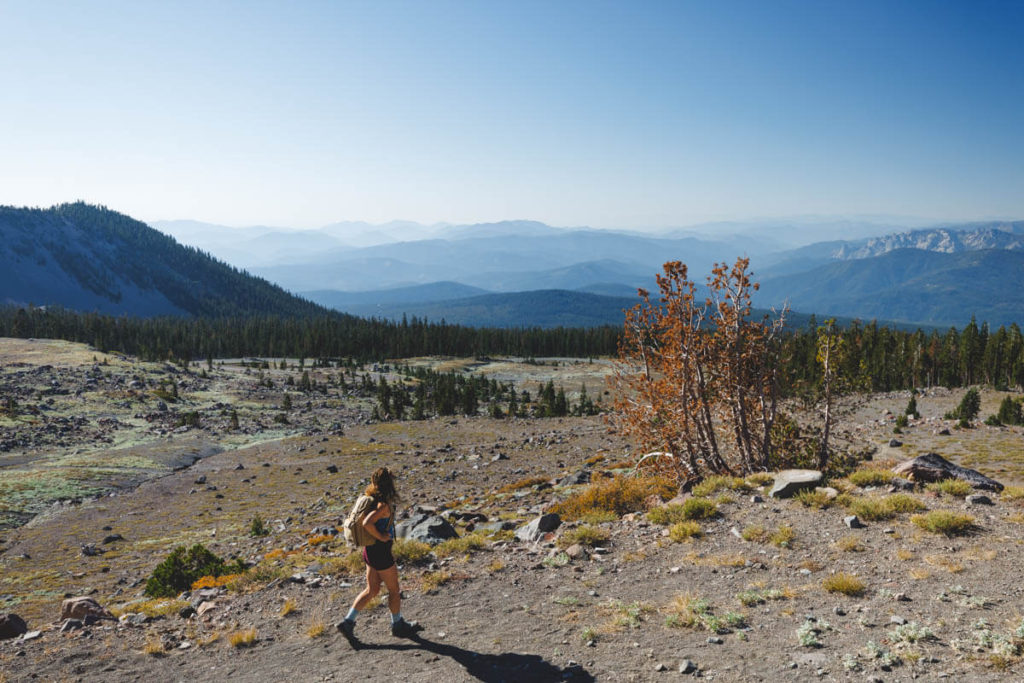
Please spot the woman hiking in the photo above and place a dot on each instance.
(379, 522)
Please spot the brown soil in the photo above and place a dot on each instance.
(514, 611)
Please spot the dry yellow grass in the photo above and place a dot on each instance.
(904, 554)
(684, 531)
(842, 582)
(850, 544)
(495, 566)
(919, 573)
(431, 581)
(209, 640)
(288, 607)
(243, 638)
(317, 627)
(952, 566)
(620, 495)
(945, 522)
(153, 647)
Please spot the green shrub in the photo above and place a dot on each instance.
(257, 527)
(968, 409)
(183, 567)
(584, 535)
(407, 550)
(698, 508)
(684, 531)
(717, 483)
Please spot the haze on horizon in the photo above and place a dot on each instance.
(577, 113)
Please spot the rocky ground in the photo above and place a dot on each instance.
(743, 600)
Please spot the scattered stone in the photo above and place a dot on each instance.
(888, 530)
(576, 551)
(201, 479)
(933, 467)
(901, 597)
(687, 667)
(978, 499)
(427, 528)
(81, 607)
(581, 477)
(205, 607)
(31, 635)
(91, 550)
(895, 443)
(830, 493)
(789, 482)
(853, 521)
(71, 625)
(753, 499)
(186, 611)
(660, 667)
(535, 530)
(333, 469)
(899, 484)
(133, 619)
(12, 626)
(239, 466)
(715, 640)
(943, 432)
(112, 538)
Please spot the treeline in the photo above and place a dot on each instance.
(878, 358)
(872, 358)
(330, 335)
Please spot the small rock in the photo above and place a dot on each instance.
(660, 667)
(333, 469)
(895, 443)
(978, 499)
(186, 611)
(239, 466)
(112, 538)
(753, 499)
(715, 640)
(539, 526)
(79, 608)
(853, 521)
(839, 611)
(200, 479)
(31, 635)
(687, 667)
(71, 625)
(888, 530)
(789, 482)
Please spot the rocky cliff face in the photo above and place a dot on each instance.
(1009, 236)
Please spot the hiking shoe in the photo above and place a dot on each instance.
(405, 629)
(347, 628)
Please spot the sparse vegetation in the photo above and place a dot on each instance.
(844, 583)
(585, 535)
(183, 567)
(951, 487)
(431, 581)
(870, 477)
(813, 498)
(717, 483)
(620, 495)
(461, 545)
(850, 544)
(288, 607)
(684, 531)
(407, 550)
(243, 638)
(945, 522)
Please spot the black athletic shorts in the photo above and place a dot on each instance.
(378, 556)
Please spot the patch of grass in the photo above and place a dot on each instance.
(557, 560)
(850, 544)
(807, 634)
(945, 522)
(495, 566)
(243, 638)
(432, 581)
(151, 608)
(716, 483)
(904, 555)
(692, 508)
(781, 537)
(870, 477)
(593, 460)
(212, 638)
(1013, 493)
(684, 531)
(524, 484)
(814, 499)
(760, 479)
(567, 601)
(878, 509)
(463, 545)
(288, 607)
(153, 646)
(588, 635)
(586, 535)
(629, 615)
(411, 551)
(599, 517)
(842, 582)
(619, 495)
(317, 627)
(755, 534)
(956, 488)
(753, 597)
(688, 611)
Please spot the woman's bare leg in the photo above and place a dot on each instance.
(373, 580)
(390, 578)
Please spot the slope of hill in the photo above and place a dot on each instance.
(91, 258)
(910, 285)
(541, 308)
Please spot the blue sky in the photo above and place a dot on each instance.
(611, 114)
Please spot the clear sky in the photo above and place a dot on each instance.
(611, 114)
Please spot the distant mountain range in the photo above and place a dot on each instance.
(511, 273)
(92, 259)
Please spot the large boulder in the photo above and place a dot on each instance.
(426, 527)
(933, 467)
(538, 527)
(12, 626)
(82, 608)
(789, 482)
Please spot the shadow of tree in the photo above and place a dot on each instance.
(507, 666)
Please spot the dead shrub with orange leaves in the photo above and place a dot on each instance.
(696, 379)
(618, 495)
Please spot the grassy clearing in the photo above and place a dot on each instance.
(619, 495)
(151, 608)
(945, 522)
(844, 583)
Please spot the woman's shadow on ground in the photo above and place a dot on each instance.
(507, 666)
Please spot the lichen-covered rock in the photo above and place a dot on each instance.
(82, 607)
(933, 467)
(427, 528)
(536, 528)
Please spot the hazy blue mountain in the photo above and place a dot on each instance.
(367, 303)
(90, 258)
(544, 308)
(911, 286)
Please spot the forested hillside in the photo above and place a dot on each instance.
(90, 258)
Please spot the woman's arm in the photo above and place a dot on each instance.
(381, 512)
